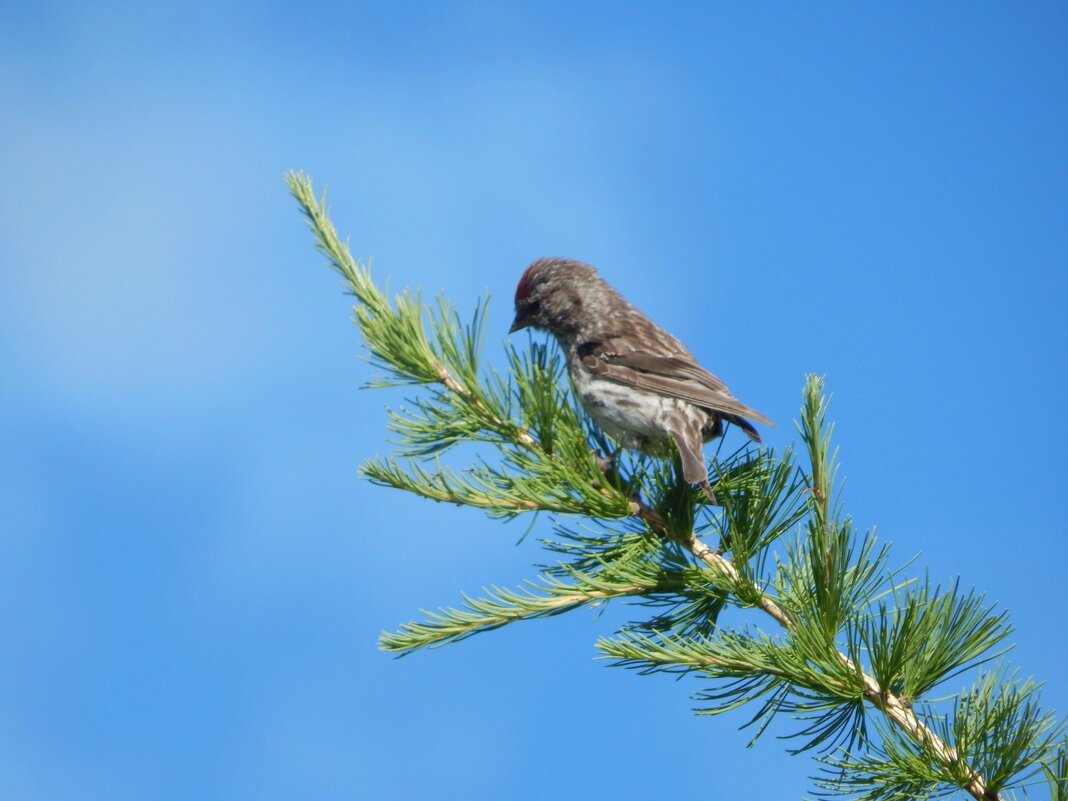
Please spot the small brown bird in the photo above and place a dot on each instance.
(639, 384)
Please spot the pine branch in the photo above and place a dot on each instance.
(852, 639)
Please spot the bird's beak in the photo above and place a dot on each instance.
(519, 323)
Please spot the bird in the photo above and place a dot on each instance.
(638, 382)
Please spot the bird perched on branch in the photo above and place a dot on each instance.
(638, 382)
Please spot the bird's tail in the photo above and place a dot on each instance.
(743, 424)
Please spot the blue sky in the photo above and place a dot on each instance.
(193, 575)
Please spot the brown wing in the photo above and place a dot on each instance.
(672, 376)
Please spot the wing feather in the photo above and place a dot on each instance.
(671, 376)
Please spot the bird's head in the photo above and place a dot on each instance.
(550, 296)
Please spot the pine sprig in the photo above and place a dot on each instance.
(853, 648)
(928, 636)
(500, 606)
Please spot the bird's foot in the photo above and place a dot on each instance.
(605, 463)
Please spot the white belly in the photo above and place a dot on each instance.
(632, 417)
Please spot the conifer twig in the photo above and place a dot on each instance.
(856, 637)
